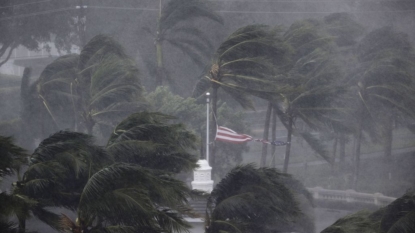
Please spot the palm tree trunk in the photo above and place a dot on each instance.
(89, 124)
(160, 70)
(333, 161)
(288, 146)
(358, 138)
(273, 134)
(342, 149)
(159, 52)
(265, 135)
(388, 137)
(22, 224)
(357, 152)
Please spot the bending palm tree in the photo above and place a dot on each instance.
(245, 64)
(249, 199)
(12, 158)
(311, 78)
(100, 86)
(68, 170)
(170, 29)
(149, 140)
(385, 86)
(130, 198)
(397, 217)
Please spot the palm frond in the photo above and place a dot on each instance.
(96, 48)
(48, 217)
(249, 198)
(147, 139)
(201, 87)
(358, 222)
(132, 195)
(11, 156)
(187, 49)
(316, 145)
(179, 10)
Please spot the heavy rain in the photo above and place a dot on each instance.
(215, 116)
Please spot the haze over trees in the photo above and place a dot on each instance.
(113, 133)
(19, 30)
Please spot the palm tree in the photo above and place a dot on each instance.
(311, 77)
(397, 217)
(12, 158)
(253, 199)
(192, 113)
(131, 198)
(171, 27)
(313, 101)
(136, 169)
(59, 169)
(100, 86)
(149, 140)
(385, 84)
(245, 64)
(313, 41)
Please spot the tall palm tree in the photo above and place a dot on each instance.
(172, 28)
(311, 77)
(245, 64)
(385, 83)
(253, 199)
(322, 38)
(101, 86)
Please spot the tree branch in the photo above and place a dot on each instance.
(3, 48)
(8, 55)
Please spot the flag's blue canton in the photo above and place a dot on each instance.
(279, 143)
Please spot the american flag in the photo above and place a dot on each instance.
(227, 135)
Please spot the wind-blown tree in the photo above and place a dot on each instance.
(172, 28)
(245, 64)
(12, 158)
(385, 84)
(397, 217)
(136, 169)
(189, 111)
(95, 89)
(253, 199)
(127, 197)
(59, 169)
(311, 78)
(313, 42)
(148, 139)
(346, 32)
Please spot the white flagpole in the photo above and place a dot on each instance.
(207, 126)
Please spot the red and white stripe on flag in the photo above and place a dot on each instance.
(227, 135)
